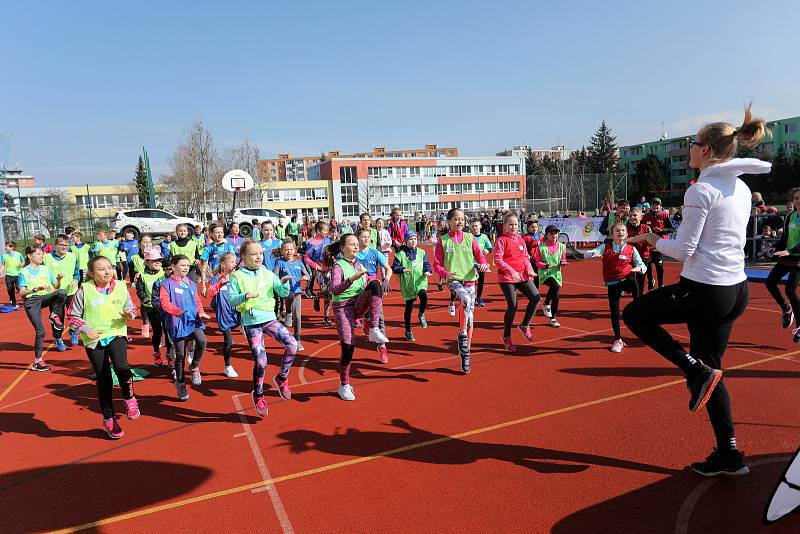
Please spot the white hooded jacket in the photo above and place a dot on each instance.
(711, 239)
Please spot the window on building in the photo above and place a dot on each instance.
(347, 175)
(790, 128)
(789, 146)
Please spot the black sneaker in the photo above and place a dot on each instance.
(463, 351)
(729, 463)
(796, 335)
(309, 294)
(316, 304)
(327, 321)
(40, 366)
(787, 317)
(702, 384)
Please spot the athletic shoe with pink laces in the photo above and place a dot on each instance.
(112, 428)
(132, 408)
(526, 332)
(509, 345)
(283, 387)
(260, 404)
(383, 354)
(617, 346)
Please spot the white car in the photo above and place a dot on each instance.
(245, 218)
(150, 221)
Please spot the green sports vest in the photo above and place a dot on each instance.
(280, 231)
(262, 283)
(82, 254)
(355, 289)
(148, 280)
(107, 250)
(373, 238)
(41, 279)
(415, 281)
(13, 263)
(483, 241)
(458, 258)
(102, 312)
(553, 262)
(793, 238)
(66, 267)
(189, 250)
(138, 264)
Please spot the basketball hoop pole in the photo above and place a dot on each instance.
(233, 208)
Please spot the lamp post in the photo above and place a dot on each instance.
(15, 183)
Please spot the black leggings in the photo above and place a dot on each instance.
(199, 338)
(510, 293)
(642, 277)
(227, 345)
(774, 279)
(158, 330)
(481, 280)
(657, 260)
(12, 285)
(115, 355)
(33, 309)
(423, 304)
(709, 312)
(553, 296)
(629, 284)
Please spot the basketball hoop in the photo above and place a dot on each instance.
(237, 181)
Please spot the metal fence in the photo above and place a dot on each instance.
(574, 192)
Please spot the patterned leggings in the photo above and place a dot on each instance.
(255, 338)
(465, 294)
(368, 303)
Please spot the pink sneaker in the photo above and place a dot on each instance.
(526, 332)
(617, 346)
(260, 404)
(509, 345)
(383, 354)
(283, 387)
(132, 406)
(157, 359)
(112, 428)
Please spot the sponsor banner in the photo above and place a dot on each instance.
(578, 229)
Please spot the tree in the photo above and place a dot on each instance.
(245, 156)
(651, 175)
(140, 184)
(51, 210)
(602, 153)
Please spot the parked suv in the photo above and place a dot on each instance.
(149, 221)
(245, 217)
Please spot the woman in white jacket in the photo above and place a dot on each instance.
(712, 291)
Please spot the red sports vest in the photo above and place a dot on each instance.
(617, 266)
(642, 246)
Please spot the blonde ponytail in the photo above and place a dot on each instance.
(723, 138)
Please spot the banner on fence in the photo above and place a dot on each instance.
(578, 229)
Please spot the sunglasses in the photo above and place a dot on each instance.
(696, 143)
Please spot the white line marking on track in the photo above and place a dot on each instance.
(286, 525)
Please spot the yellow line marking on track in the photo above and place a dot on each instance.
(22, 375)
(391, 452)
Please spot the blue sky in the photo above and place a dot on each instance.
(88, 83)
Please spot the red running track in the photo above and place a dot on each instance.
(563, 436)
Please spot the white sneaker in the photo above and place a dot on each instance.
(230, 372)
(376, 336)
(617, 346)
(554, 323)
(546, 310)
(452, 309)
(346, 392)
(300, 347)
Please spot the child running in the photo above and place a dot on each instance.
(635, 227)
(99, 311)
(271, 246)
(185, 245)
(40, 287)
(457, 253)
(515, 273)
(622, 265)
(81, 251)
(787, 252)
(130, 248)
(411, 263)
(384, 239)
(184, 312)
(151, 274)
(352, 297)
(313, 258)
(290, 265)
(252, 293)
(486, 247)
(63, 262)
(10, 264)
(371, 259)
(228, 318)
(105, 247)
(550, 256)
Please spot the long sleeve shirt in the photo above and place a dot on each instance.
(237, 296)
(457, 237)
(511, 256)
(172, 309)
(340, 283)
(75, 312)
(553, 248)
(716, 209)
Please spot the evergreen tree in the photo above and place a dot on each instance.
(651, 175)
(602, 153)
(531, 163)
(140, 183)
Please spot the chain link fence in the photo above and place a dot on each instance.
(574, 192)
